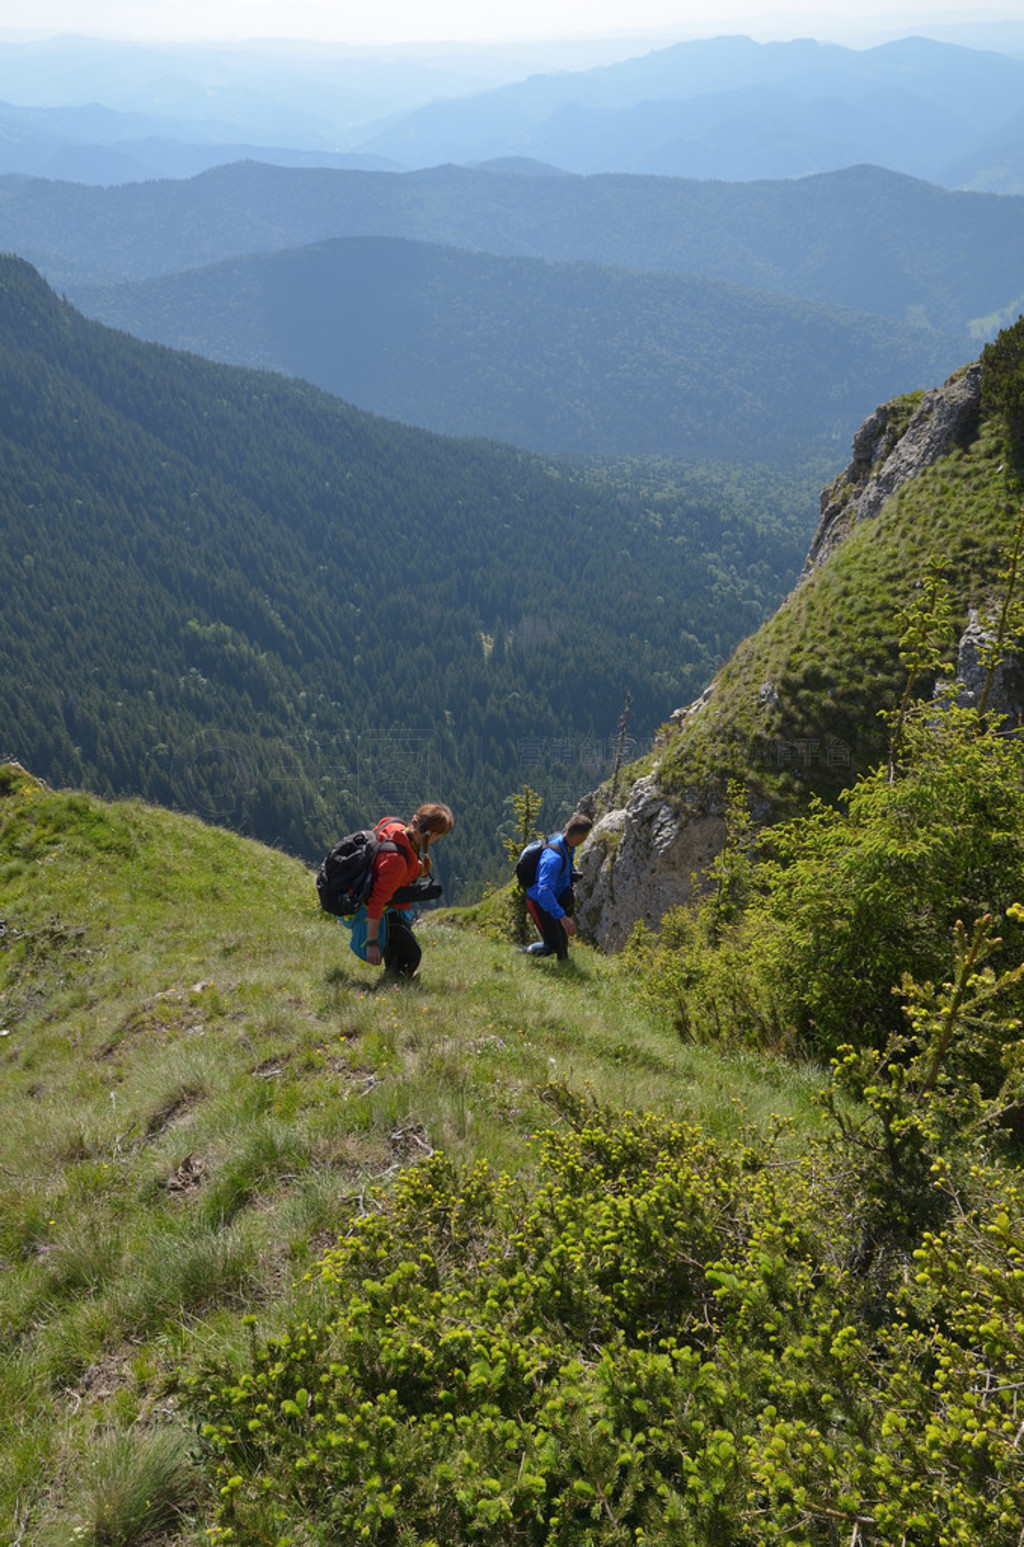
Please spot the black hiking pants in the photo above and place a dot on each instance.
(402, 950)
(556, 941)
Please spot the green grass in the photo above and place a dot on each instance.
(830, 653)
(200, 1087)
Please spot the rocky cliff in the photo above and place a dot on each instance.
(893, 445)
(646, 855)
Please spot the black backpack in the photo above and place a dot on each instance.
(345, 878)
(529, 860)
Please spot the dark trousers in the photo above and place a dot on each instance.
(402, 950)
(556, 941)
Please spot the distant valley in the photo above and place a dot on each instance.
(236, 595)
(569, 358)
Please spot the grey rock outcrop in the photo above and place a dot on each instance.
(888, 450)
(1006, 692)
(640, 861)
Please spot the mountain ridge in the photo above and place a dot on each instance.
(931, 107)
(882, 93)
(795, 713)
(864, 238)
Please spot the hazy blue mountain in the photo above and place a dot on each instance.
(277, 93)
(723, 107)
(566, 358)
(914, 106)
(101, 146)
(291, 94)
(995, 163)
(861, 238)
(763, 131)
(1004, 35)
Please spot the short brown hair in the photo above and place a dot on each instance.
(580, 823)
(433, 817)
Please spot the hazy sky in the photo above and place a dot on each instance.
(395, 21)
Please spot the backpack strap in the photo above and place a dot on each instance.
(398, 845)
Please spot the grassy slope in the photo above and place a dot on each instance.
(198, 1086)
(829, 657)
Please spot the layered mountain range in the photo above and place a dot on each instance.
(720, 108)
(607, 315)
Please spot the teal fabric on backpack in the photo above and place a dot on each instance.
(356, 926)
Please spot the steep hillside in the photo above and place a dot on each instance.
(566, 359)
(494, 1256)
(796, 709)
(863, 238)
(237, 595)
(200, 1091)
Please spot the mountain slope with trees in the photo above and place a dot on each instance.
(237, 595)
(567, 358)
(859, 757)
(505, 1257)
(862, 238)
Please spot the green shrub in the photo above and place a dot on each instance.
(486, 1363)
(662, 1341)
(844, 901)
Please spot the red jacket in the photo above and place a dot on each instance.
(390, 871)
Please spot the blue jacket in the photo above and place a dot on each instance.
(554, 876)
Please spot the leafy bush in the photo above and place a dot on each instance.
(841, 903)
(663, 1341)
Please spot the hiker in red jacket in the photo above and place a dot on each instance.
(410, 863)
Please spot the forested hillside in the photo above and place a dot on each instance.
(864, 238)
(239, 596)
(557, 358)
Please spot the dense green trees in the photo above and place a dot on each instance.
(236, 595)
(567, 358)
(1003, 377)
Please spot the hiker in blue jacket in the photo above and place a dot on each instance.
(549, 899)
